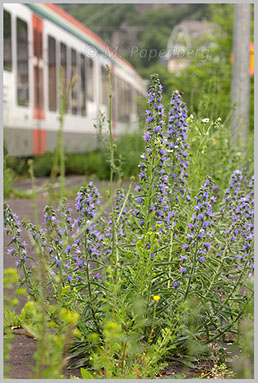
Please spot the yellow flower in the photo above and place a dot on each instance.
(156, 298)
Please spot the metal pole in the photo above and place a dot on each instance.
(240, 89)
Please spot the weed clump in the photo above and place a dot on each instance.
(166, 273)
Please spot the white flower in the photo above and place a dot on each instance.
(192, 117)
(205, 120)
(219, 119)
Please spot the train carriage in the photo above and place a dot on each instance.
(38, 40)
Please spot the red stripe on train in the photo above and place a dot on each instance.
(39, 141)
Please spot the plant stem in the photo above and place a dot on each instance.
(217, 271)
(89, 286)
(228, 327)
(34, 192)
(170, 254)
(61, 128)
(112, 165)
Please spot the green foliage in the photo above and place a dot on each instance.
(103, 18)
(123, 356)
(243, 364)
(128, 148)
(93, 163)
(11, 320)
(34, 190)
(9, 176)
(9, 179)
(220, 371)
(211, 150)
(86, 374)
(43, 164)
(162, 20)
(53, 330)
(53, 327)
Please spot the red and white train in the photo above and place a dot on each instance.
(38, 40)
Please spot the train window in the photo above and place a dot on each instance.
(63, 63)
(83, 85)
(104, 86)
(7, 41)
(125, 100)
(74, 91)
(22, 63)
(52, 86)
(38, 88)
(90, 81)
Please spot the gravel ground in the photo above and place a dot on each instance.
(25, 184)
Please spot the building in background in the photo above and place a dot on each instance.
(187, 39)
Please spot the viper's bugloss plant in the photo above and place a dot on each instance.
(137, 269)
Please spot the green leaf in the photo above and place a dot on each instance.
(86, 374)
(140, 323)
(79, 363)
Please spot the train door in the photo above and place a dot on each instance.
(39, 133)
